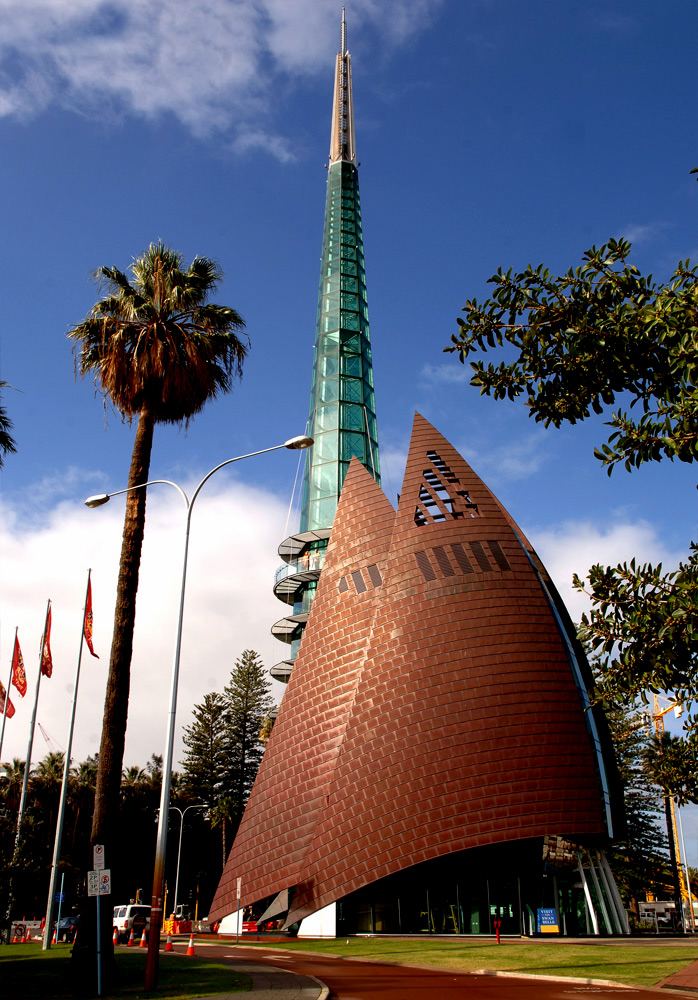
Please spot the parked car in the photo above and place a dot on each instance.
(133, 916)
(67, 928)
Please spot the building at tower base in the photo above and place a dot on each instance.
(435, 764)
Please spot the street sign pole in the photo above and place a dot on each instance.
(99, 884)
(99, 948)
(237, 915)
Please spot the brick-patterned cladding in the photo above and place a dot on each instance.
(430, 714)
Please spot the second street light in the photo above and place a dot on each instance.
(151, 969)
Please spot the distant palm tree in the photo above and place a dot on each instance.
(159, 351)
(7, 443)
(11, 783)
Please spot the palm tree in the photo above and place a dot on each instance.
(159, 351)
(11, 784)
(7, 444)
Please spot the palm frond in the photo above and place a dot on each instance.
(156, 340)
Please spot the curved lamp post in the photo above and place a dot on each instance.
(182, 814)
(151, 968)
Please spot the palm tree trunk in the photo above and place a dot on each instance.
(111, 751)
(105, 818)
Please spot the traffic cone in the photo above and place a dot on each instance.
(116, 936)
(15, 939)
(143, 942)
(190, 949)
(54, 940)
(168, 946)
(131, 941)
(27, 937)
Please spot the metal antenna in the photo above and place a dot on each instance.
(343, 46)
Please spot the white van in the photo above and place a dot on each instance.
(134, 917)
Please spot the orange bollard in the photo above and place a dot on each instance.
(190, 949)
(115, 939)
(55, 935)
(131, 941)
(143, 942)
(168, 946)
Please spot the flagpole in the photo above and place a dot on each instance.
(7, 693)
(46, 944)
(32, 724)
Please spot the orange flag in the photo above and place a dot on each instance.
(46, 661)
(88, 619)
(10, 706)
(19, 678)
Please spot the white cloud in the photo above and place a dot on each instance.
(213, 64)
(640, 233)
(446, 373)
(229, 607)
(249, 140)
(518, 459)
(574, 546)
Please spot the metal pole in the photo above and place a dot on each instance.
(688, 879)
(152, 960)
(99, 947)
(7, 692)
(64, 785)
(60, 904)
(179, 854)
(32, 724)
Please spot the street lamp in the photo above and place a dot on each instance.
(182, 814)
(151, 969)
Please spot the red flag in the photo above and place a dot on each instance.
(46, 661)
(10, 706)
(19, 678)
(88, 619)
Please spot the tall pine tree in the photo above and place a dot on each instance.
(248, 704)
(640, 862)
(204, 761)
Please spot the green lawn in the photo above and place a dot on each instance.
(638, 964)
(28, 972)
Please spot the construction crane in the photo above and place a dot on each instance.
(656, 720)
(50, 742)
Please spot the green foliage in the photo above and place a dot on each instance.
(204, 758)
(640, 862)
(576, 344)
(7, 443)
(672, 763)
(644, 622)
(225, 743)
(157, 341)
(248, 704)
(584, 338)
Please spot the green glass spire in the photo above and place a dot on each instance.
(342, 417)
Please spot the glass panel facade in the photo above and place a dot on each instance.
(343, 357)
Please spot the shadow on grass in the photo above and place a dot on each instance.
(28, 973)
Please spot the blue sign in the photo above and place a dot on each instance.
(60, 897)
(547, 921)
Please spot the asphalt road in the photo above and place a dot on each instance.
(356, 980)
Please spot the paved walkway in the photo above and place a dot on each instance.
(303, 975)
(686, 979)
(275, 984)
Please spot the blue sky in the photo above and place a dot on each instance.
(488, 133)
